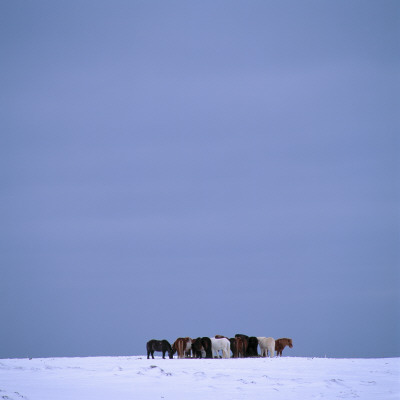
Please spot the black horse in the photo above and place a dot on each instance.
(158, 345)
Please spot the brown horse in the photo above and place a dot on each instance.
(182, 345)
(245, 340)
(238, 347)
(281, 343)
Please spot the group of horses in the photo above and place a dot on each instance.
(205, 347)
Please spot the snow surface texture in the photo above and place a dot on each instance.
(123, 378)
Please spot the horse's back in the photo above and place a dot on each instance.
(157, 345)
(150, 343)
(266, 341)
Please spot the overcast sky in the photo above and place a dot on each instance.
(192, 168)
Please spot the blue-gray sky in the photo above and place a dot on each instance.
(192, 168)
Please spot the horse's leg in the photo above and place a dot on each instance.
(215, 352)
(209, 353)
(152, 354)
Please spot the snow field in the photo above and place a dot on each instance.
(123, 378)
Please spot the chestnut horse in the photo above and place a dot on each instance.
(182, 345)
(281, 343)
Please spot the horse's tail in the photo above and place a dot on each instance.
(228, 348)
(178, 347)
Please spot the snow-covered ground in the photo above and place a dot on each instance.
(136, 378)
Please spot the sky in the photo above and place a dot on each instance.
(192, 168)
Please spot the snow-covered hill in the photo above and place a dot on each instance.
(136, 378)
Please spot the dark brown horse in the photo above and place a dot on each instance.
(251, 344)
(237, 347)
(206, 341)
(245, 340)
(158, 345)
(201, 344)
(281, 343)
(197, 348)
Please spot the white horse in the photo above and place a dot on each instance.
(267, 344)
(221, 344)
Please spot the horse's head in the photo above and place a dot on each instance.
(170, 354)
(290, 343)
